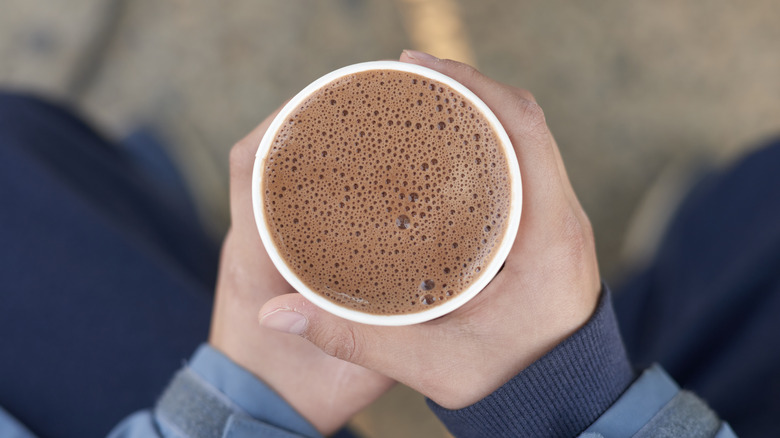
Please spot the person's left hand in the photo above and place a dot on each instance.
(325, 390)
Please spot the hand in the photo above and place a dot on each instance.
(547, 290)
(324, 389)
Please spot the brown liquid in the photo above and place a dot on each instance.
(386, 192)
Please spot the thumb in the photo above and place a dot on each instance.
(346, 340)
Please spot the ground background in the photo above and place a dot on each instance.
(633, 91)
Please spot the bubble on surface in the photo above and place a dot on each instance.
(370, 188)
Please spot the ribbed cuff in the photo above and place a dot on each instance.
(560, 394)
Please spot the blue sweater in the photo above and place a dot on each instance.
(583, 387)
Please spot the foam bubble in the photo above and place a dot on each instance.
(402, 222)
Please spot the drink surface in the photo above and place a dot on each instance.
(386, 192)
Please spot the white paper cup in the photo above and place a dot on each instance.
(451, 304)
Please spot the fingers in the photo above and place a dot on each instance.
(361, 344)
(515, 108)
(242, 160)
(246, 266)
(550, 206)
(293, 314)
(521, 117)
(441, 359)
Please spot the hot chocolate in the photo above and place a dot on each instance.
(386, 192)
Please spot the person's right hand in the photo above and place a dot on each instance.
(547, 290)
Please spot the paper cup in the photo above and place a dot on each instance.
(487, 273)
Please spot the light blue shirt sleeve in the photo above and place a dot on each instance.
(654, 402)
(214, 397)
(11, 428)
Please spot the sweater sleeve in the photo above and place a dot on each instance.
(585, 385)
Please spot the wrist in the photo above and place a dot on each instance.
(297, 371)
(214, 393)
(509, 344)
(589, 369)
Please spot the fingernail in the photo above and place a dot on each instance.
(284, 320)
(420, 56)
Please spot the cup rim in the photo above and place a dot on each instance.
(488, 273)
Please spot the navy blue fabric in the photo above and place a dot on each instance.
(708, 307)
(145, 146)
(106, 287)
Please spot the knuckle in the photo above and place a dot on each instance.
(342, 345)
(527, 120)
(522, 93)
(579, 260)
(241, 156)
(464, 72)
(587, 229)
(470, 72)
(531, 116)
(577, 234)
